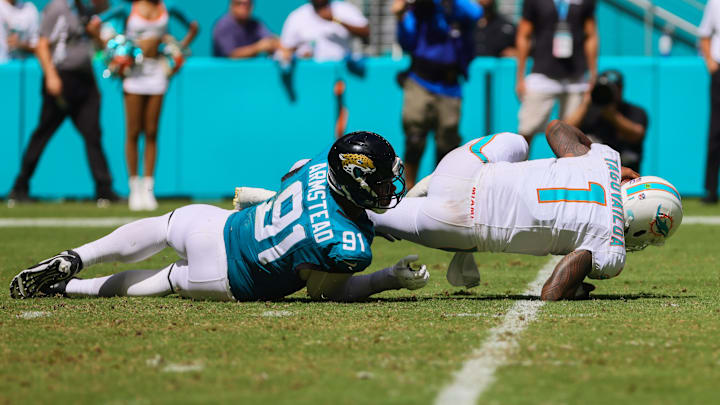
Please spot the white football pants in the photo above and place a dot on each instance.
(443, 219)
(195, 232)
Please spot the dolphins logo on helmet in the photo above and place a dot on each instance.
(662, 224)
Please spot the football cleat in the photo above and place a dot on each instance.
(43, 276)
(57, 288)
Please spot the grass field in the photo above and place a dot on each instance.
(649, 336)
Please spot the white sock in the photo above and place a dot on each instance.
(132, 242)
(131, 283)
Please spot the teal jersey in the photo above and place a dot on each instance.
(301, 227)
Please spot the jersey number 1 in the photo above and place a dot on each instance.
(594, 194)
(279, 222)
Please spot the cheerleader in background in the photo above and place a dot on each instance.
(145, 84)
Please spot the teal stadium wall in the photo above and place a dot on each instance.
(621, 31)
(228, 123)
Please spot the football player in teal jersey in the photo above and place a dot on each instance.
(314, 233)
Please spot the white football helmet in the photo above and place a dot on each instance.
(653, 212)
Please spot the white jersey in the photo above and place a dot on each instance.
(553, 206)
(325, 40)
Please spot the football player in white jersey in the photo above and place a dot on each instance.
(485, 196)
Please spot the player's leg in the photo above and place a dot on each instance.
(465, 161)
(129, 243)
(428, 222)
(199, 236)
(131, 283)
(194, 231)
(132, 242)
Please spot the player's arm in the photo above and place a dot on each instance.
(566, 140)
(346, 287)
(566, 281)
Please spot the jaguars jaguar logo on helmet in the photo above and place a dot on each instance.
(357, 165)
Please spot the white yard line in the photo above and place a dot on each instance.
(107, 222)
(103, 222)
(715, 220)
(478, 372)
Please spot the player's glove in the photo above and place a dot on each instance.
(407, 276)
(249, 196)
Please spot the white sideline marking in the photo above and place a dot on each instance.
(108, 222)
(105, 222)
(33, 314)
(478, 372)
(714, 220)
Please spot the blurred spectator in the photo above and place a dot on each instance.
(69, 89)
(710, 48)
(438, 35)
(19, 23)
(323, 30)
(237, 35)
(144, 85)
(607, 118)
(565, 47)
(495, 33)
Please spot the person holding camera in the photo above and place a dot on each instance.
(606, 118)
(69, 90)
(564, 51)
(438, 35)
(709, 33)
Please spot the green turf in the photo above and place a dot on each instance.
(649, 336)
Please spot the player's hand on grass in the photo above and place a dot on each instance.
(410, 278)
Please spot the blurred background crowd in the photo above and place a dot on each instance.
(444, 56)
